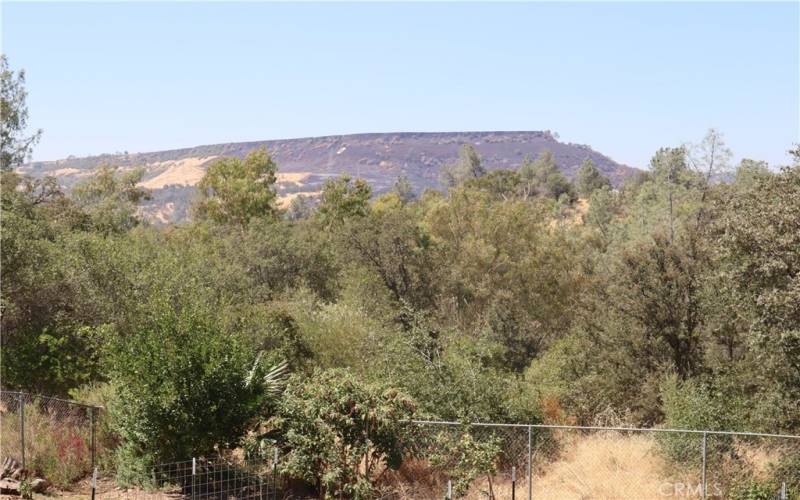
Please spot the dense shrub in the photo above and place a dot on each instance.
(341, 433)
(181, 390)
(465, 458)
(689, 405)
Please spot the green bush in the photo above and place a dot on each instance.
(106, 439)
(691, 405)
(340, 433)
(465, 458)
(787, 470)
(181, 389)
(752, 490)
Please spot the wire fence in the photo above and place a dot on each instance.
(206, 479)
(558, 462)
(56, 438)
(48, 436)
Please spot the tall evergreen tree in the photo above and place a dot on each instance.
(589, 179)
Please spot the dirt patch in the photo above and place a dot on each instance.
(294, 177)
(285, 200)
(185, 172)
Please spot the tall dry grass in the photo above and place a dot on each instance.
(595, 466)
(56, 448)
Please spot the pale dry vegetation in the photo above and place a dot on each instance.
(185, 172)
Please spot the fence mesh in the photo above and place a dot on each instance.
(50, 437)
(206, 479)
(479, 461)
(570, 462)
(56, 439)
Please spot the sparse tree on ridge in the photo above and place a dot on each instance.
(468, 166)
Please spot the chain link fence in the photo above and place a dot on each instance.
(55, 438)
(574, 462)
(51, 437)
(453, 460)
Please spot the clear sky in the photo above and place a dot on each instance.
(625, 78)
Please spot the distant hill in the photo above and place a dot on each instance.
(305, 163)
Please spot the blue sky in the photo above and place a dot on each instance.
(625, 78)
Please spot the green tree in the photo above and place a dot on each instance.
(659, 292)
(299, 208)
(109, 199)
(757, 237)
(671, 166)
(392, 244)
(503, 260)
(589, 179)
(468, 166)
(542, 177)
(14, 145)
(673, 178)
(749, 171)
(341, 199)
(403, 189)
(603, 207)
(235, 191)
(43, 309)
(503, 184)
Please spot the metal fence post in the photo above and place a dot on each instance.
(530, 459)
(91, 430)
(275, 472)
(194, 472)
(705, 438)
(22, 426)
(513, 483)
(94, 482)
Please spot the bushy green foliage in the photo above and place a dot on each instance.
(343, 198)
(108, 200)
(758, 230)
(465, 457)
(690, 405)
(671, 301)
(589, 179)
(234, 191)
(14, 145)
(181, 388)
(542, 177)
(341, 433)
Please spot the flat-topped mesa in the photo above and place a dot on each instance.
(377, 157)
